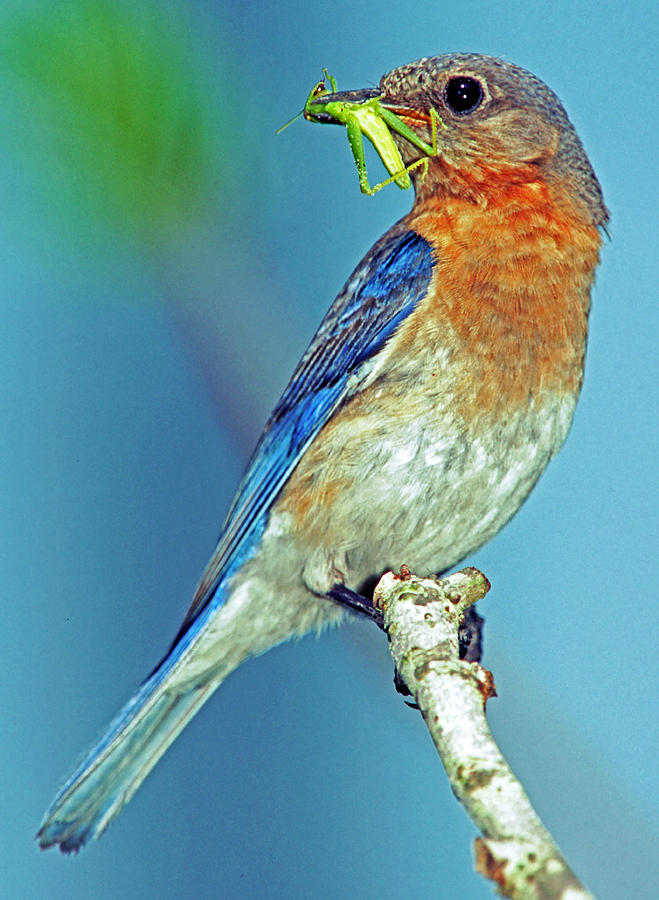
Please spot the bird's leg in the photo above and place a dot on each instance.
(356, 602)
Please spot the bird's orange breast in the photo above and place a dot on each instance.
(511, 288)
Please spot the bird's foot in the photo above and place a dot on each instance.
(470, 636)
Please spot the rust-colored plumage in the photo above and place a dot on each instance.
(513, 284)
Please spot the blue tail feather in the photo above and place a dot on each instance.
(114, 769)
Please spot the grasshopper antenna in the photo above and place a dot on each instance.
(290, 122)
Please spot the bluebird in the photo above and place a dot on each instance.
(438, 386)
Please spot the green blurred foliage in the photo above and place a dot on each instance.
(114, 110)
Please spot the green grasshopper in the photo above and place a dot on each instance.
(376, 122)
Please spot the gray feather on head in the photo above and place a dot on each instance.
(518, 117)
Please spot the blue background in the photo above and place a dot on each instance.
(143, 344)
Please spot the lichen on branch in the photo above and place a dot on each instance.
(422, 617)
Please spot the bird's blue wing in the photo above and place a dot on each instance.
(380, 293)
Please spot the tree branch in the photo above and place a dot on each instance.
(421, 618)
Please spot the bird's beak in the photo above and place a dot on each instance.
(325, 118)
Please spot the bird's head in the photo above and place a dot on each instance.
(496, 123)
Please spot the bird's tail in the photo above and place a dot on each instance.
(115, 768)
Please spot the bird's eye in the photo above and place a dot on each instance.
(463, 94)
